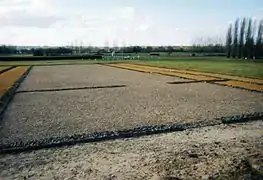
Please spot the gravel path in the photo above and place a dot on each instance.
(33, 116)
(51, 77)
(146, 100)
(217, 152)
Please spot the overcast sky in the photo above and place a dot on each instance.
(119, 22)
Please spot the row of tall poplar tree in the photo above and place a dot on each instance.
(244, 39)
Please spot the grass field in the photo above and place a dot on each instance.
(253, 84)
(243, 68)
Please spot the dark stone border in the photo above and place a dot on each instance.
(72, 89)
(160, 73)
(257, 91)
(202, 72)
(189, 78)
(8, 96)
(7, 69)
(54, 142)
(197, 81)
(113, 62)
(109, 65)
(242, 118)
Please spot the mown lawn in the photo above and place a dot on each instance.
(243, 68)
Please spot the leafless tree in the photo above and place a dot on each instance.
(259, 42)
(241, 38)
(235, 39)
(229, 41)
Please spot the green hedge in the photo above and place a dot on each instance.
(35, 58)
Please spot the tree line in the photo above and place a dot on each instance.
(52, 51)
(56, 51)
(6, 50)
(244, 39)
(197, 48)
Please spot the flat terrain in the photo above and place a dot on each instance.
(232, 81)
(218, 152)
(7, 79)
(3, 67)
(42, 62)
(73, 76)
(237, 67)
(147, 99)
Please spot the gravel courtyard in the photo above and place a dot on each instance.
(147, 99)
(74, 76)
(217, 152)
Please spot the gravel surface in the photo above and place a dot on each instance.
(33, 116)
(51, 77)
(218, 152)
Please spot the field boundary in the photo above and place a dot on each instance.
(254, 87)
(197, 71)
(7, 69)
(54, 63)
(197, 81)
(9, 94)
(208, 74)
(72, 89)
(155, 72)
(55, 142)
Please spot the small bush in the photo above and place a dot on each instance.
(154, 54)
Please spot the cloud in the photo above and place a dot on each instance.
(125, 12)
(24, 19)
(30, 6)
(27, 13)
(39, 22)
(142, 27)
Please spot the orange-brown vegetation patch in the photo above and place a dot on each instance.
(7, 79)
(233, 81)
